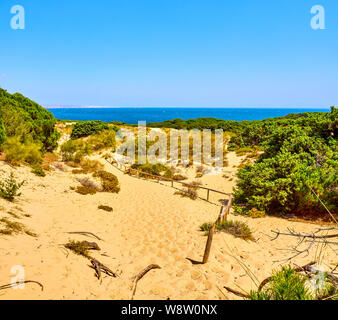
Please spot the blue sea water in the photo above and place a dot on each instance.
(133, 115)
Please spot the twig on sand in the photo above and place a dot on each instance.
(237, 293)
(98, 267)
(85, 233)
(142, 274)
(11, 285)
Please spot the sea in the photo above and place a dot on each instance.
(132, 115)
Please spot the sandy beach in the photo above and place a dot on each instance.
(149, 225)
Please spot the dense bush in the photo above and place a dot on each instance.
(300, 158)
(18, 152)
(87, 128)
(199, 123)
(26, 119)
(2, 132)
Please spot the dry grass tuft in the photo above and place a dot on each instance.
(13, 227)
(78, 247)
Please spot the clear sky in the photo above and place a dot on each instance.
(194, 53)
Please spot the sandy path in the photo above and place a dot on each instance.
(149, 224)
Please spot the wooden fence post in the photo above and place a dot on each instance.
(220, 215)
(208, 245)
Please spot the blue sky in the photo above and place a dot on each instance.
(193, 53)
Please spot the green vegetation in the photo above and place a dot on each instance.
(300, 158)
(26, 120)
(9, 188)
(18, 152)
(199, 123)
(75, 150)
(157, 169)
(285, 284)
(102, 140)
(2, 132)
(87, 128)
(39, 172)
(236, 228)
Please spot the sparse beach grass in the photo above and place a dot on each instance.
(236, 228)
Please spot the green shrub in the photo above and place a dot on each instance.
(39, 172)
(286, 284)
(244, 150)
(300, 158)
(87, 128)
(74, 150)
(206, 227)
(9, 188)
(25, 119)
(17, 152)
(2, 132)
(102, 140)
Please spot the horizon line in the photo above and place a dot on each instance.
(184, 107)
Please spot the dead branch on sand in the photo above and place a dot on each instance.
(12, 285)
(85, 233)
(98, 267)
(315, 237)
(142, 274)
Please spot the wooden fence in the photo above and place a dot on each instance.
(139, 174)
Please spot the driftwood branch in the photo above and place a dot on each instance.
(237, 293)
(12, 285)
(85, 233)
(98, 267)
(142, 274)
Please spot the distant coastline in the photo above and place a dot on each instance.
(152, 114)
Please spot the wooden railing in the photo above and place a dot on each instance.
(128, 170)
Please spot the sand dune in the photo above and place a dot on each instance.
(149, 225)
